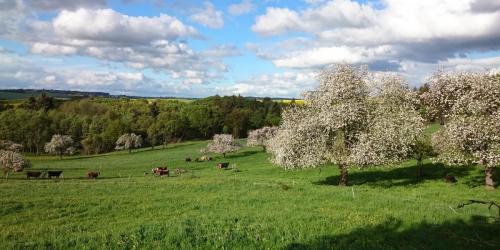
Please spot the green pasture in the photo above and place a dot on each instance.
(254, 205)
(4, 95)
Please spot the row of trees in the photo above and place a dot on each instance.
(357, 118)
(94, 125)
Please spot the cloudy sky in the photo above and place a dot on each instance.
(253, 48)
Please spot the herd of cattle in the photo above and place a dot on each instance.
(56, 174)
(159, 171)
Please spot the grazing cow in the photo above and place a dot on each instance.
(161, 171)
(179, 171)
(154, 170)
(223, 165)
(56, 174)
(188, 159)
(34, 174)
(93, 175)
(449, 178)
(205, 158)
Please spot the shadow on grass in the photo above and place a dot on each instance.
(478, 180)
(403, 176)
(125, 152)
(23, 178)
(478, 233)
(181, 145)
(238, 155)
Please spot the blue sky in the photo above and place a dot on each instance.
(253, 48)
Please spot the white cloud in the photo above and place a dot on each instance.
(50, 49)
(49, 5)
(208, 16)
(386, 36)
(107, 25)
(244, 7)
(337, 13)
(137, 42)
(286, 84)
(276, 21)
(485, 5)
(20, 72)
(12, 14)
(333, 55)
(224, 50)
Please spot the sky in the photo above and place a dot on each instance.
(251, 48)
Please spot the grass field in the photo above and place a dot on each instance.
(14, 96)
(259, 207)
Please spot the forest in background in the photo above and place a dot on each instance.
(96, 123)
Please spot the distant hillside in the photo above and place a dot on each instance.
(20, 94)
(13, 94)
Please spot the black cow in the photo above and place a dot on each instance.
(33, 174)
(53, 173)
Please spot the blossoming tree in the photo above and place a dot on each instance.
(12, 161)
(223, 144)
(10, 146)
(129, 142)
(394, 128)
(59, 144)
(260, 137)
(352, 118)
(472, 131)
(445, 90)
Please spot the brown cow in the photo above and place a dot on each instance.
(188, 159)
(161, 171)
(223, 165)
(56, 174)
(34, 174)
(154, 170)
(93, 175)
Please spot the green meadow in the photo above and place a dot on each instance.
(253, 205)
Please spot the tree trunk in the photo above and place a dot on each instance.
(441, 119)
(130, 150)
(490, 183)
(420, 167)
(264, 148)
(343, 175)
(60, 155)
(224, 155)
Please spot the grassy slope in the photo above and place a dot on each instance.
(260, 207)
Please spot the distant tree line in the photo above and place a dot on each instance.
(95, 124)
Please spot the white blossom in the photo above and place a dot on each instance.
(222, 144)
(260, 137)
(13, 161)
(352, 118)
(472, 130)
(58, 144)
(129, 142)
(10, 146)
